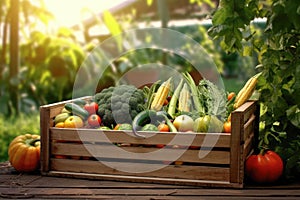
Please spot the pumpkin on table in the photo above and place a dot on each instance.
(24, 152)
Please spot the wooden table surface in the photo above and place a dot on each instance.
(14, 185)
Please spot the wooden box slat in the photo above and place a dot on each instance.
(92, 135)
(67, 152)
(168, 171)
(84, 150)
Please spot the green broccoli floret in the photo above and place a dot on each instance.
(119, 104)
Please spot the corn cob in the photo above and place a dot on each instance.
(184, 98)
(246, 92)
(161, 95)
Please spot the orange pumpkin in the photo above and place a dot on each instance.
(24, 152)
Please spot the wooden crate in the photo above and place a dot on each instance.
(84, 152)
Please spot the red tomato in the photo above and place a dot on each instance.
(92, 107)
(227, 127)
(264, 168)
(160, 145)
(166, 102)
(94, 120)
(163, 127)
(230, 96)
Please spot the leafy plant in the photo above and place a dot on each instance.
(12, 126)
(278, 49)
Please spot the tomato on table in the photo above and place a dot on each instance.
(265, 167)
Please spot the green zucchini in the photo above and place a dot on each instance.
(79, 102)
(77, 110)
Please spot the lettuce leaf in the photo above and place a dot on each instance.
(213, 98)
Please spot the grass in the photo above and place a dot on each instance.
(13, 126)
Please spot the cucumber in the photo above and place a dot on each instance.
(79, 102)
(77, 110)
(142, 119)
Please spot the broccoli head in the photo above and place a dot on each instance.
(119, 104)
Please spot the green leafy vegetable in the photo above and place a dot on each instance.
(213, 98)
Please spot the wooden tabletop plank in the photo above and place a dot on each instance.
(16, 185)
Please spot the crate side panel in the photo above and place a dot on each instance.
(93, 135)
(168, 171)
(139, 153)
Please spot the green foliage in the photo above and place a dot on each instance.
(10, 127)
(49, 61)
(278, 49)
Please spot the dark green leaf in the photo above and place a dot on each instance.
(293, 114)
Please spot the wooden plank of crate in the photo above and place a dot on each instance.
(45, 141)
(248, 146)
(249, 127)
(240, 117)
(47, 112)
(168, 171)
(237, 132)
(94, 135)
(247, 109)
(139, 153)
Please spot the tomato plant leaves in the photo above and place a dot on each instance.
(278, 50)
(293, 114)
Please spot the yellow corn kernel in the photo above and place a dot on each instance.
(161, 95)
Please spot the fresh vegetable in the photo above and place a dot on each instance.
(125, 127)
(92, 107)
(265, 167)
(149, 127)
(119, 104)
(161, 95)
(94, 120)
(24, 152)
(167, 121)
(104, 128)
(80, 102)
(184, 99)
(117, 127)
(60, 125)
(208, 123)
(162, 127)
(77, 110)
(74, 122)
(227, 127)
(195, 93)
(201, 124)
(61, 117)
(174, 99)
(230, 96)
(150, 92)
(213, 99)
(246, 92)
(183, 123)
(145, 117)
